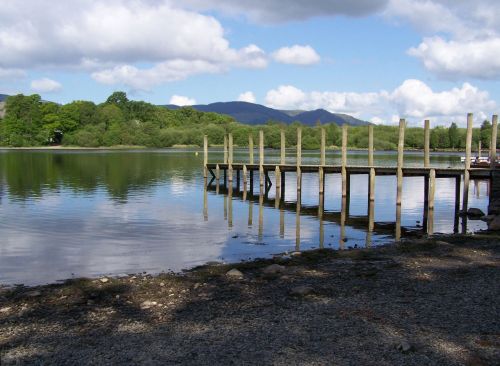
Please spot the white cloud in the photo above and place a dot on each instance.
(452, 59)
(297, 55)
(469, 35)
(413, 99)
(272, 11)
(181, 100)
(114, 37)
(247, 97)
(11, 74)
(45, 85)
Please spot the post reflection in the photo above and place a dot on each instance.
(343, 214)
(261, 215)
(230, 206)
(397, 234)
(250, 213)
(321, 207)
(297, 221)
(371, 223)
(205, 201)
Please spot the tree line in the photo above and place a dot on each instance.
(29, 121)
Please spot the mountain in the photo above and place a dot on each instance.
(254, 114)
(3, 97)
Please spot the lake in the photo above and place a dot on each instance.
(74, 213)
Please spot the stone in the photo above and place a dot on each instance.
(5, 310)
(162, 284)
(273, 269)
(295, 254)
(301, 290)
(487, 218)
(148, 304)
(404, 347)
(474, 212)
(104, 280)
(35, 293)
(494, 224)
(234, 273)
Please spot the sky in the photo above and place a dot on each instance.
(379, 60)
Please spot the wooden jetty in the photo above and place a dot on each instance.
(428, 172)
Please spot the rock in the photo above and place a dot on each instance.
(162, 284)
(404, 347)
(487, 218)
(295, 254)
(104, 280)
(273, 269)
(234, 273)
(90, 302)
(494, 224)
(35, 293)
(474, 212)
(301, 290)
(148, 304)
(5, 310)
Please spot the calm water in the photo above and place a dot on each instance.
(68, 214)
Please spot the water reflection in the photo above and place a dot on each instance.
(86, 213)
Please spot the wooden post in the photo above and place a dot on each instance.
(261, 158)
(230, 159)
(205, 156)
(344, 160)
(323, 147)
(277, 177)
(427, 140)
(371, 187)
(432, 188)
(245, 174)
(283, 148)
(370, 145)
(321, 175)
(250, 148)
(217, 173)
(321, 206)
(493, 144)
(299, 158)
(401, 145)
(297, 222)
(468, 145)
(225, 149)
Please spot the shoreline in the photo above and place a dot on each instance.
(389, 305)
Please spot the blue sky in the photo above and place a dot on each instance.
(375, 59)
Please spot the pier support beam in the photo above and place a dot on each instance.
(250, 149)
(426, 143)
(401, 145)
(370, 145)
(299, 158)
(205, 156)
(283, 148)
(225, 149)
(371, 185)
(261, 159)
(493, 143)
(230, 159)
(323, 147)
(344, 160)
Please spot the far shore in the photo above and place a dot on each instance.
(136, 147)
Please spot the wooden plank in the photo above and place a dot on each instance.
(493, 144)
(205, 156)
(468, 146)
(370, 145)
(401, 144)
(427, 139)
(323, 147)
(250, 149)
(283, 148)
(344, 160)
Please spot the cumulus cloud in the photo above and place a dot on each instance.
(45, 85)
(413, 99)
(297, 55)
(247, 97)
(272, 11)
(468, 40)
(181, 100)
(112, 38)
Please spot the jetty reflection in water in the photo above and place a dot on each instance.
(375, 231)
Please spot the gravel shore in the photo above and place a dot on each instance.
(425, 302)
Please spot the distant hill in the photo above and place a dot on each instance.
(253, 114)
(3, 97)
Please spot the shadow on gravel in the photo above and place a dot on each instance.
(361, 309)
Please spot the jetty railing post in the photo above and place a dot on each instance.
(261, 159)
(321, 172)
(225, 149)
(299, 158)
(493, 143)
(344, 160)
(217, 173)
(371, 179)
(426, 143)
(283, 148)
(250, 148)
(401, 145)
(277, 177)
(230, 158)
(205, 156)
(468, 146)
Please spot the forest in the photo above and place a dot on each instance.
(31, 122)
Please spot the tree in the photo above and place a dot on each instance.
(453, 136)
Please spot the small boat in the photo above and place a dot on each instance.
(479, 161)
